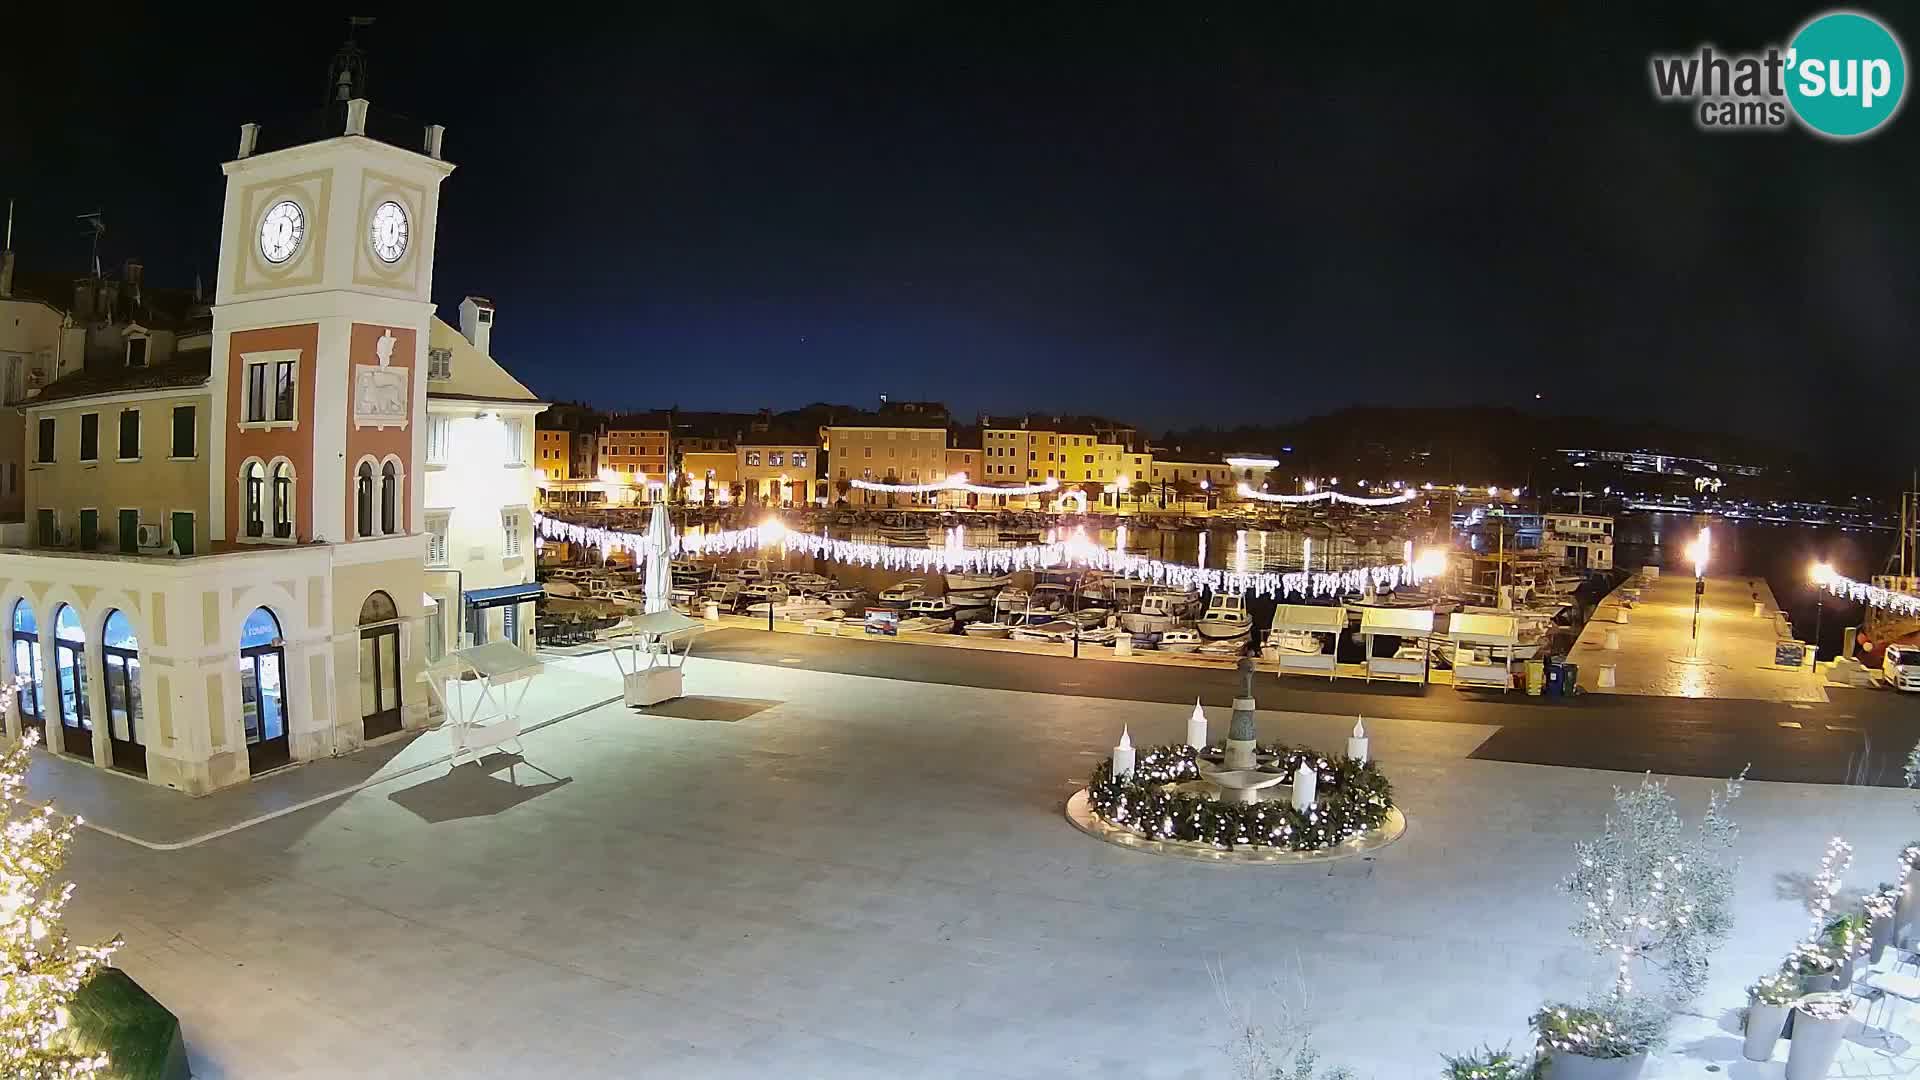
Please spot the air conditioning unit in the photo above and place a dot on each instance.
(149, 537)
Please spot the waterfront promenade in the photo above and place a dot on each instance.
(1658, 656)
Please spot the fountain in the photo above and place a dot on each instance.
(1242, 775)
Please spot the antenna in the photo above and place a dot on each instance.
(93, 226)
(8, 246)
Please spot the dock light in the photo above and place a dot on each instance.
(608, 476)
(1310, 487)
(1493, 492)
(1206, 485)
(1431, 564)
(771, 532)
(1821, 573)
(1699, 550)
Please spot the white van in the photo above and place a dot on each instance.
(1902, 667)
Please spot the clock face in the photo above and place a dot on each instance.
(388, 231)
(282, 231)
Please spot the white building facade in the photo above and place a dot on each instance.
(481, 488)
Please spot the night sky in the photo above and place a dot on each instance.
(1176, 218)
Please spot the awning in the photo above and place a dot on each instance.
(1404, 622)
(428, 600)
(1471, 629)
(523, 593)
(657, 624)
(1319, 620)
(499, 662)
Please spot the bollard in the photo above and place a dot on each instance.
(712, 612)
(1613, 640)
(1123, 645)
(1759, 609)
(1606, 676)
(1620, 615)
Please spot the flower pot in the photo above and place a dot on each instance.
(1881, 930)
(1816, 1042)
(1564, 1066)
(1903, 915)
(1764, 1024)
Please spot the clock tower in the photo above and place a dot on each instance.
(318, 429)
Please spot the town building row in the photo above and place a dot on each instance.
(826, 454)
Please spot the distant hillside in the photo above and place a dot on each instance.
(1468, 445)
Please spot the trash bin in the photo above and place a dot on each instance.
(1536, 677)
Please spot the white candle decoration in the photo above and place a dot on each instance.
(1357, 742)
(1123, 756)
(1304, 780)
(1197, 727)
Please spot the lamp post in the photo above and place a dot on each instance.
(1820, 575)
(1698, 551)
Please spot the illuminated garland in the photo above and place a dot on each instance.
(1247, 492)
(1871, 595)
(1351, 798)
(958, 482)
(1075, 553)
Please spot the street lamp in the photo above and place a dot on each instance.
(1699, 551)
(1821, 573)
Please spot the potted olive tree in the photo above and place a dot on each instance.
(1604, 1041)
(1845, 937)
(1655, 898)
(1819, 1024)
(1489, 1064)
(1879, 906)
(1768, 1002)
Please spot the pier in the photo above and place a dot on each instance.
(1656, 653)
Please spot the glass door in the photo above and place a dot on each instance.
(263, 708)
(120, 655)
(380, 680)
(70, 664)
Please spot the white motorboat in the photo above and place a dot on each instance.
(1305, 642)
(1009, 605)
(1157, 613)
(1046, 601)
(561, 588)
(1179, 640)
(988, 629)
(762, 592)
(1055, 630)
(1225, 649)
(902, 593)
(921, 625)
(976, 582)
(685, 571)
(1225, 618)
(753, 568)
(724, 593)
(796, 609)
(846, 599)
(930, 607)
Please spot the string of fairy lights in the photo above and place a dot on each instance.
(1249, 492)
(957, 482)
(1076, 552)
(1860, 592)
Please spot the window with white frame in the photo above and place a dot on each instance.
(437, 537)
(798, 459)
(753, 457)
(510, 530)
(775, 458)
(439, 363)
(515, 431)
(270, 391)
(439, 429)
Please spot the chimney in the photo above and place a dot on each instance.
(435, 134)
(249, 138)
(133, 271)
(357, 116)
(476, 322)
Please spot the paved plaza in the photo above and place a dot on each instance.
(799, 873)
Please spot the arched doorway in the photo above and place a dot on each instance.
(120, 664)
(263, 703)
(379, 665)
(26, 665)
(70, 667)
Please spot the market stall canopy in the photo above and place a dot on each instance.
(1315, 618)
(498, 662)
(1405, 622)
(1470, 629)
(657, 624)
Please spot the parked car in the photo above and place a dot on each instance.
(1902, 667)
